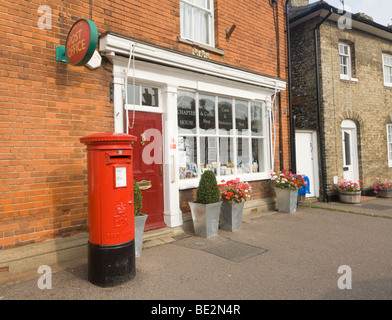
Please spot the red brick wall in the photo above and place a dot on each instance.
(47, 105)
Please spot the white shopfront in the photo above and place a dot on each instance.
(214, 116)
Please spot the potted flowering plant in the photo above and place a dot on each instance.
(233, 194)
(349, 191)
(383, 188)
(286, 189)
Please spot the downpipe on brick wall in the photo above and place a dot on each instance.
(291, 113)
(319, 118)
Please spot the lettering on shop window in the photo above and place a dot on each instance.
(186, 118)
(225, 117)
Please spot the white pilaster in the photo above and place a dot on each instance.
(119, 72)
(172, 213)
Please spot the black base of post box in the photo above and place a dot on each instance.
(109, 266)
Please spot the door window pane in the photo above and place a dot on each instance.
(186, 111)
(207, 114)
(149, 96)
(256, 119)
(241, 117)
(133, 92)
(142, 95)
(187, 151)
(226, 156)
(225, 115)
(347, 149)
(243, 163)
(208, 154)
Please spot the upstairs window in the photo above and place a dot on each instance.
(197, 21)
(387, 66)
(345, 61)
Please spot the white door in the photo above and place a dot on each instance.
(350, 153)
(307, 163)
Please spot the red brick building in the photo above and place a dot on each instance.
(185, 64)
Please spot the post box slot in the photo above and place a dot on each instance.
(118, 158)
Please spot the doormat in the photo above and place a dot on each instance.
(223, 247)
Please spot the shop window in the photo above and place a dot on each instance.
(225, 135)
(197, 20)
(387, 67)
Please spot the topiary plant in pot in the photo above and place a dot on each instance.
(140, 219)
(206, 209)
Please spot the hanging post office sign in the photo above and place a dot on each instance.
(81, 42)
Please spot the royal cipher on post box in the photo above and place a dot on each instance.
(111, 245)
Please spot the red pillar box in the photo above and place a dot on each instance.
(111, 246)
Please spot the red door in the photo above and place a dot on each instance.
(148, 164)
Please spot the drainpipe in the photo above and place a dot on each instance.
(320, 124)
(291, 113)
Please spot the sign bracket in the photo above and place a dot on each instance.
(60, 54)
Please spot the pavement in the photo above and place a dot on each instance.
(323, 251)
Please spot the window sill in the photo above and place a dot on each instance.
(194, 183)
(388, 85)
(348, 79)
(201, 46)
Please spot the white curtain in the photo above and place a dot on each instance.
(195, 22)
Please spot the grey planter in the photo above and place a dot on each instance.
(140, 222)
(384, 193)
(350, 197)
(205, 218)
(232, 213)
(287, 200)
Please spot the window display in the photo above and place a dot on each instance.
(226, 156)
(221, 134)
(187, 155)
(208, 155)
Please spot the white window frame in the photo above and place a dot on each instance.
(387, 67)
(342, 54)
(389, 142)
(138, 106)
(266, 148)
(209, 10)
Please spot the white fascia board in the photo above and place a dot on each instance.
(111, 45)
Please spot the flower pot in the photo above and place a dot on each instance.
(205, 218)
(232, 213)
(140, 222)
(287, 200)
(350, 197)
(385, 193)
